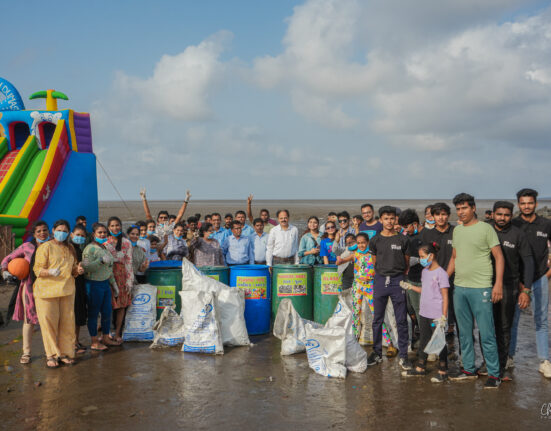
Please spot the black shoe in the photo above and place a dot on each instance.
(374, 359)
(406, 364)
(492, 383)
(414, 372)
(439, 378)
(483, 370)
(463, 375)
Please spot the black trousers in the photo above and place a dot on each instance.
(426, 330)
(504, 312)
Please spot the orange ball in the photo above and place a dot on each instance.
(19, 268)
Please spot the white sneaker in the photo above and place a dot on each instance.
(510, 363)
(545, 368)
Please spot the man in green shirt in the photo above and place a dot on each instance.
(474, 243)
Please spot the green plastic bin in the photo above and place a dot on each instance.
(168, 280)
(219, 273)
(293, 282)
(327, 286)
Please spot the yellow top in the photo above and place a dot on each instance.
(51, 255)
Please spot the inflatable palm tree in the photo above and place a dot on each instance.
(51, 97)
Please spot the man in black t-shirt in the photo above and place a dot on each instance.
(538, 232)
(370, 226)
(442, 235)
(518, 255)
(409, 220)
(391, 255)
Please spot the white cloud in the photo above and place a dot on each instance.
(181, 84)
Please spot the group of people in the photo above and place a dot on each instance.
(433, 273)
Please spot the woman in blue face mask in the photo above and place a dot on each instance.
(176, 245)
(97, 262)
(433, 309)
(139, 258)
(78, 238)
(22, 305)
(121, 250)
(204, 249)
(56, 267)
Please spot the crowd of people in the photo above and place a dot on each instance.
(433, 273)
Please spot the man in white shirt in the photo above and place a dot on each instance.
(282, 244)
(260, 239)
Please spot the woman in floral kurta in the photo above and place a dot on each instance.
(25, 309)
(364, 271)
(123, 270)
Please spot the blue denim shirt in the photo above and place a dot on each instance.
(238, 251)
(307, 243)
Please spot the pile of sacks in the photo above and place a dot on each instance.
(212, 316)
(332, 349)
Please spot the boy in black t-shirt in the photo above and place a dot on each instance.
(391, 255)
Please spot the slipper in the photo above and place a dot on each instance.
(50, 361)
(25, 359)
(67, 361)
(99, 349)
(80, 349)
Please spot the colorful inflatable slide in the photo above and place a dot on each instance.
(47, 166)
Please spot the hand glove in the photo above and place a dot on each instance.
(115, 289)
(405, 285)
(6, 275)
(106, 259)
(54, 272)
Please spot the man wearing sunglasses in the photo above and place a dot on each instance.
(344, 228)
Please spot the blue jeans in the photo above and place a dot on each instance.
(476, 304)
(98, 294)
(540, 306)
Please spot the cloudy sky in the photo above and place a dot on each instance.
(286, 99)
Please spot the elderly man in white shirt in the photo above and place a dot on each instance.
(282, 246)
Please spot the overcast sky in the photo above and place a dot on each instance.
(286, 99)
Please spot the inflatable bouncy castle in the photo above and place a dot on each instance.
(47, 164)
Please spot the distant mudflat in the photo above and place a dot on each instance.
(300, 209)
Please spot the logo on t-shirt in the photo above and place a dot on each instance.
(396, 247)
(542, 234)
(508, 244)
(450, 242)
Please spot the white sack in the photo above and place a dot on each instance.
(169, 329)
(326, 350)
(141, 314)
(201, 326)
(230, 304)
(343, 317)
(289, 328)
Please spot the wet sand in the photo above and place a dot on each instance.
(135, 388)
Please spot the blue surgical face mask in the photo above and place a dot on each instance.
(101, 240)
(42, 241)
(178, 237)
(60, 236)
(151, 232)
(79, 240)
(211, 236)
(114, 234)
(363, 252)
(134, 243)
(430, 221)
(143, 237)
(153, 250)
(425, 261)
(353, 247)
(415, 232)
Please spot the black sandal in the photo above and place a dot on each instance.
(67, 361)
(80, 349)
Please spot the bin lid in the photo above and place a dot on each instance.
(165, 264)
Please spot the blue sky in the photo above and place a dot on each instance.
(313, 99)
